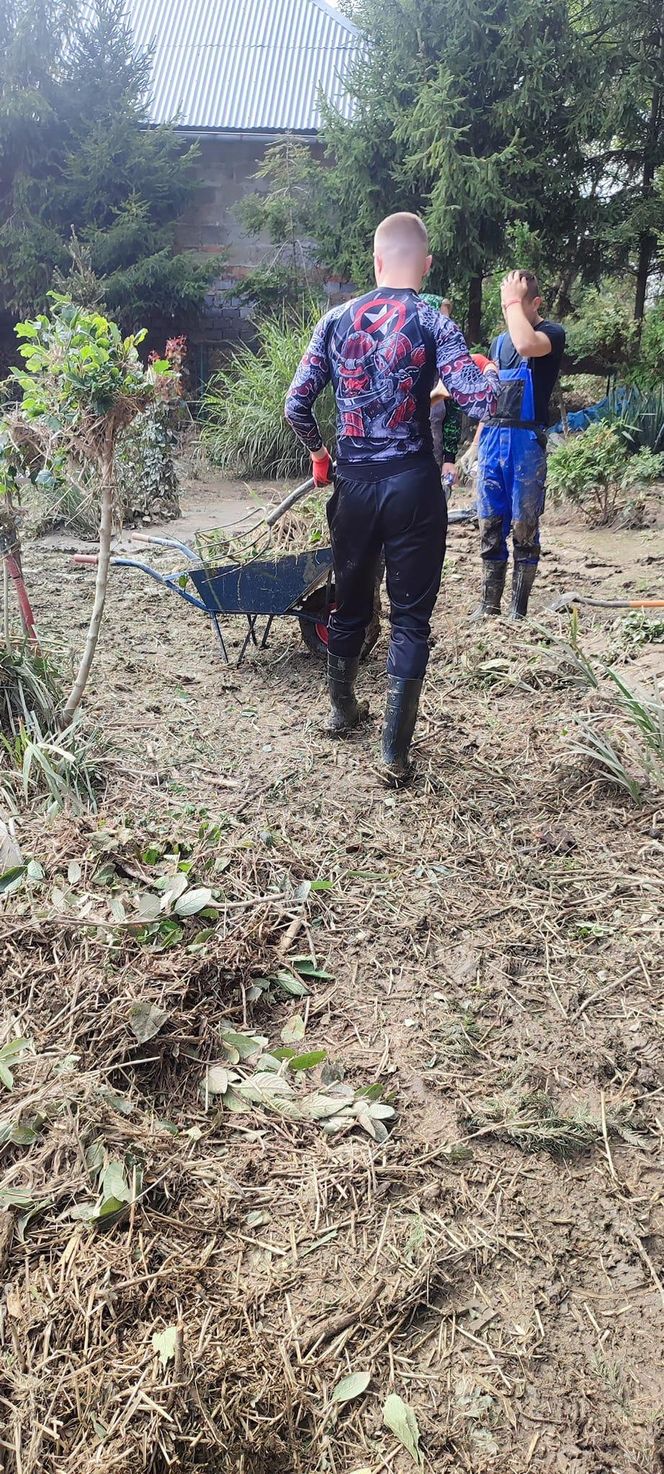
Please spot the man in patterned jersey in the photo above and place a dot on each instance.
(383, 353)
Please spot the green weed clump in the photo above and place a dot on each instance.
(29, 688)
(624, 737)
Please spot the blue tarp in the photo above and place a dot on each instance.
(580, 419)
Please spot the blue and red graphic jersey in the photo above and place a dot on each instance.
(383, 353)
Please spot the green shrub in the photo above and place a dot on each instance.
(594, 471)
(648, 372)
(244, 429)
(602, 327)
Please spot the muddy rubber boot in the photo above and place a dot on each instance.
(346, 711)
(494, 572)
(522, 581)
(403, 699)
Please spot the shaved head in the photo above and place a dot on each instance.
(401, 250)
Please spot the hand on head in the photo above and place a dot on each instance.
(513, 288)
(521, 289)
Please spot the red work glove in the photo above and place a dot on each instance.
(481, 362)
(321, 468)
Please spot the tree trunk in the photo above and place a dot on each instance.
(107, 468)
(647, 241)
(474, 310)
(647, 244)
(562, 302)
(10, 550)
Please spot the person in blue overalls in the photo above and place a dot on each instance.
(511, 470)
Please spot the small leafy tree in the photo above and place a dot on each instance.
(82, 385)
(593, 469)
(602, 327)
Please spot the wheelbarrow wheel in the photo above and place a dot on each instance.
(318, 606)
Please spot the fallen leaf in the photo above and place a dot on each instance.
(10, 1052)
(216, 1080)
(148, 906)
(172, 887)
(165, 1344)
(352, 1386)
(291, 985)
(117, 1103)
(293, 1029)
(317, 1106)
(114, 1184)
(14, 1304)
(307, 1061)
(401, 1421)
(10, 850)
(193, 901)
(145, 1020)
(12, 879)
(242, 1045)
(264, 1087)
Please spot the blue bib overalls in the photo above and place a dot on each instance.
(512, 470)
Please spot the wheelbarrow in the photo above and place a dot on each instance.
(286, 585)
(254, 584)
(295, 585)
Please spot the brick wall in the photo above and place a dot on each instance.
(226, 168)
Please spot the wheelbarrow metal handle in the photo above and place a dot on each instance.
(166, 542)
(289, 501)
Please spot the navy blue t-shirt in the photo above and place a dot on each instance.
(544, 370)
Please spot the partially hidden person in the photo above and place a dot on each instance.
(511, 472)
(444, 414)
(382, 353)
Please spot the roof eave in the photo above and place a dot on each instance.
(244, 135)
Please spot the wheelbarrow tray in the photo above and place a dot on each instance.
(266, 587)
(269, 586)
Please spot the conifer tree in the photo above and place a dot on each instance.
(77, 154)
(474, 112)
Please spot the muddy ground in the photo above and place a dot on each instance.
(492, 944)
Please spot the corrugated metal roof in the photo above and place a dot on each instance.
(245, 64)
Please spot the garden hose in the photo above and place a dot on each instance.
(567, 602)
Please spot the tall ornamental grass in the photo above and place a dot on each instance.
(244, 429)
